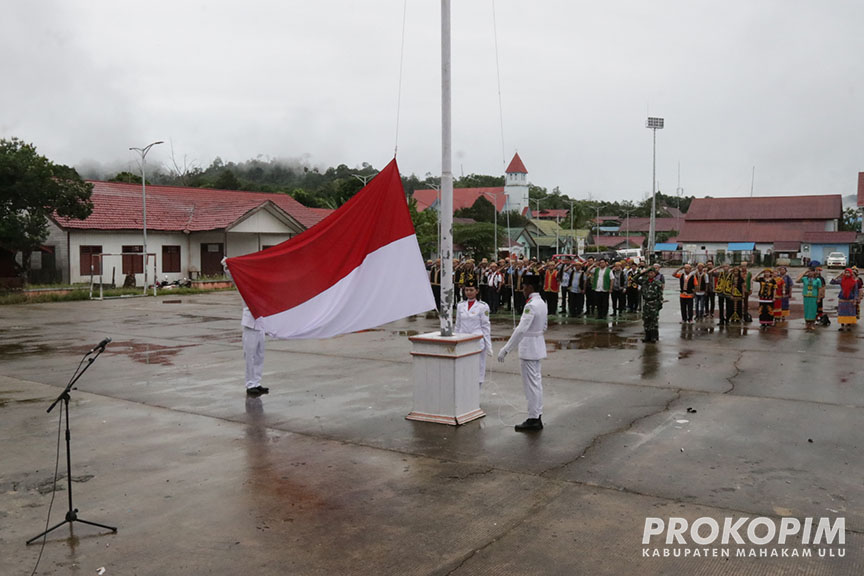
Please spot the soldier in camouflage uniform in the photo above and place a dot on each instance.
(652, 301)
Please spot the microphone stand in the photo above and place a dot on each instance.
(72, 513)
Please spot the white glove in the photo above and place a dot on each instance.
(502, 354)
(489, 351)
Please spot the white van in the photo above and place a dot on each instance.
(634, 254)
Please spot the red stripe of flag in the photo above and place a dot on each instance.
(279, 278)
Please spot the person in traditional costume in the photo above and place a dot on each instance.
(723, 276)
(767, 290)
(778, 296)
(847, 299)
(811, 285)
(736, 289)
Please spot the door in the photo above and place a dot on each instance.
(211, 259)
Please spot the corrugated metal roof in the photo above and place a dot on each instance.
(787, 246)
(823, 207)
(644, 224)
(118, 206)
(734, 231)
(822, 237)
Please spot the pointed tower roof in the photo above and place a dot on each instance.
(516, 166)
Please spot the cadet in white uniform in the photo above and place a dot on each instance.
(253, 348)
(472, 317)
(528, 336)
(253, 351)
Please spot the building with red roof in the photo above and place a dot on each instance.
(189, 230)
(796, 226)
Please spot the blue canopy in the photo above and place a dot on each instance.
(665, 247)
(739, 246)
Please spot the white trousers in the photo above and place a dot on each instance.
(482, 365)
(532, 383)
(253, 351)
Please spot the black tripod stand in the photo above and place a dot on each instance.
(72, 513)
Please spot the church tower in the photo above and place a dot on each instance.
(516, 185)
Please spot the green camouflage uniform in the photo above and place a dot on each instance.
(652, 301)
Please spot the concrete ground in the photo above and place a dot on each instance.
(325, 476)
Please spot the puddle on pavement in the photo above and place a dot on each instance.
(685, 354)
(24, 348)
(6, 401)
(146, 353)
(591, 340)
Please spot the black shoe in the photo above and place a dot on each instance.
(530, 425)
(257, 391)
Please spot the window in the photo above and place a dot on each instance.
(133, 264)
(87, 257)
(170, 259)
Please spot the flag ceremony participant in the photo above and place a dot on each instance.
(847, 299)
(254, 345)
(767, 289)
(528, 337)
(472, 317)
(652, 302)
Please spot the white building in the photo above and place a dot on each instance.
(189, 231)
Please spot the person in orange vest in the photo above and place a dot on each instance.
(687, 280)
(551, 287)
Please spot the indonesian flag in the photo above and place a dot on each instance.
(358, 268)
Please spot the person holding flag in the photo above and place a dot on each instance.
(528, 336)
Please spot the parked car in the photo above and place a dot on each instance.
(836, 260)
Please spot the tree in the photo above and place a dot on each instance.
(32, 188)
(477, 240)
(227, 181)
(425, 227)
(482, 211)
(851, 220)
(479, 181)
(126, 178)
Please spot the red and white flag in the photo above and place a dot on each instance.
(358, 268)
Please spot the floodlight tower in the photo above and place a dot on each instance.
(653, 124)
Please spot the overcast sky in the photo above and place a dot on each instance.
(775, 84)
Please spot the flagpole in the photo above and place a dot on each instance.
(446, 206)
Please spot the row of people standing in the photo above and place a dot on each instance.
(569, 287)
(774, 302)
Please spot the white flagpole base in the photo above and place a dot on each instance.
(446, 378)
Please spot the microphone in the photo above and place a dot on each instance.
(101, 346)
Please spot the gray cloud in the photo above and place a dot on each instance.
(774, 84)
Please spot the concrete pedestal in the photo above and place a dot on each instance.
(446, 376)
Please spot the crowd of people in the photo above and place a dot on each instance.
(599, 288)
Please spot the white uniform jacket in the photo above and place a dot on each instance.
(529, 333)
(475, 321)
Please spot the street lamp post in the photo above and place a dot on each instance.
(364, 177)
(653, 124)
(143, 152)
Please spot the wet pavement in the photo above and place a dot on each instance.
(325, 476)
